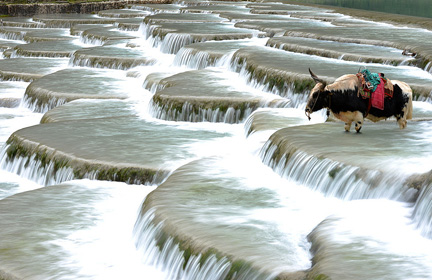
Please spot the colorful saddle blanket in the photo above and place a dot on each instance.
(375, 87)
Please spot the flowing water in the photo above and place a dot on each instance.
(170, 142)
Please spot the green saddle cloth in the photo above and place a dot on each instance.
(373, 78)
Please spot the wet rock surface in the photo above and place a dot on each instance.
(47, 49)
(345, 51)
(227, 195)
(111, 57)
(150, 145)
(189, 96)
(28, 69)
(71, 84)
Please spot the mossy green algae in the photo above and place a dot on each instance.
(35, 152)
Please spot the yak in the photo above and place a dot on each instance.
(342, 98)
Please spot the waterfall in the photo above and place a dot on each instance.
(335, 179)
(428, 67)
(186, 111)
(193, 59)
(10, 35)
(35, 170)
(152, 86)
(44, 171)
(83, 62)
(165, 253)
(191, 113)
(38, 106)
(170, 43)
(173, 42)
(225, 60)
(146, 30)
(199, 59)
(297, 100)
(89, 39)
(422, 214)
(149, 33)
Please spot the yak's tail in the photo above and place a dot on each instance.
(409, 106)
(406, 90)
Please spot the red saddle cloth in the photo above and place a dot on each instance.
(377, 97)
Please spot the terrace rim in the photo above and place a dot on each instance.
(32, 7)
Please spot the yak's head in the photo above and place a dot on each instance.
(317, 96)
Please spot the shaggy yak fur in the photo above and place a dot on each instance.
(342, 98)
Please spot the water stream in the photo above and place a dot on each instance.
(179, 149)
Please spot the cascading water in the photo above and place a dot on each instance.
(12, 35)
(168, 257)
(297, 100)
(422, 211)
(34, 170)
(189, 114)
(90, 40)
(171, 43)
(428, 67)
(33, 105)
(266, 210)
(335, 179)
(192, 60)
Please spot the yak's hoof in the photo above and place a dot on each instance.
(347, 127)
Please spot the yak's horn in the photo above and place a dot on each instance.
(315, 78)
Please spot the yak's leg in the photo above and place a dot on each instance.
(358, 119)
(401, 118)
(348, 126)
(401, 121)
(349, 117)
